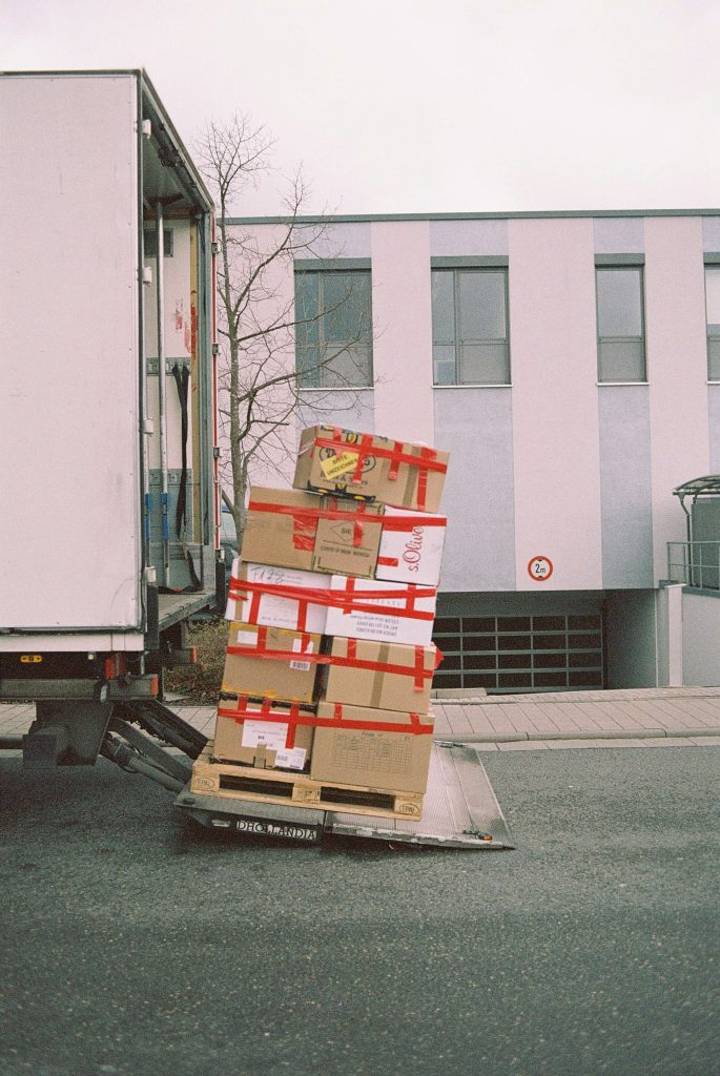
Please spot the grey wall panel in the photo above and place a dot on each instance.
(337, 407)
(625, 486)
(711, 233)
(335, 240)
(714, 408)
(475, 426)
(458, 237)
(619, 235)
(701, 639)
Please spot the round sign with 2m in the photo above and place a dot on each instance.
(540, 569)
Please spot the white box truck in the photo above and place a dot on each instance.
(108, 433)
(109, 490)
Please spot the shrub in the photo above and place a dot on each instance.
(201, 682)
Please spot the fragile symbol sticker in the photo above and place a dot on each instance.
(335, 466)
(540, 569)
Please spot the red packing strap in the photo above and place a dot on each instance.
(419, 669)
(365, 443)
(409, 522)
(350, 661)
(262, 650)
(242, 713)
(292, 725)
(389, 523)
(422, 483)
(306, 520)
(394, 462)
(425, 461)
(349, 592)
(348, 599)
(304, 534)
(294, 718)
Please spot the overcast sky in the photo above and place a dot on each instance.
(395, 106)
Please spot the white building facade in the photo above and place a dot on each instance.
(570, 363)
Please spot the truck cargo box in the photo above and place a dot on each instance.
(107, 426)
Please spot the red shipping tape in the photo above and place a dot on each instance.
(293, 717)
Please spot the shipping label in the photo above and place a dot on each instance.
(297, 647)
(274, 737)
(335, 466)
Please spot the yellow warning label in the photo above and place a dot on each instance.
(335, 466)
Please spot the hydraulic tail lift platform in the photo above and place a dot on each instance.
(460, 811)
(145, 736)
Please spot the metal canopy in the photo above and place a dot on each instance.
(706, 486)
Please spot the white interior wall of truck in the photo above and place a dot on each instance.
(180, 271)
(178, 328)
(70, 487)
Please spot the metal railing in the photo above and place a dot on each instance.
(697, 564)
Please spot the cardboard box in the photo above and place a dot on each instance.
(265, 603)
(375, 757)
(244, 734)
(290, 529)
(362, 611)
(273, 535)
(411, 547)
(248, 673)
(392, 472)
(348, 546)
(381, 676)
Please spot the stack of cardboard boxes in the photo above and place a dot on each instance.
(329, 658)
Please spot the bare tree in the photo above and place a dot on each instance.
(258, 323)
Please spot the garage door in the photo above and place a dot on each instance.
(520, 653)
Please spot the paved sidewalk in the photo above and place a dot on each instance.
(642, 717)
(649, 717)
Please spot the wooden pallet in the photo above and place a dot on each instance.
(233, 781)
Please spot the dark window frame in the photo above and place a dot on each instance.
(322, 272)
(455, 271)
(639, 270)
(713, 353)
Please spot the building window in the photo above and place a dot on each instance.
(150, 242)
(712, 314)
(621, 331)
(470, 327)
(333, 332)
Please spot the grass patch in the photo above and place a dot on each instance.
(201, 682)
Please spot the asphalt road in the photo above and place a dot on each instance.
(136, 943)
